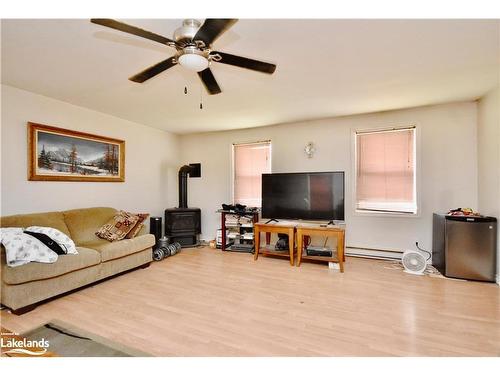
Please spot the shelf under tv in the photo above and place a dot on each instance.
(318, 258)
(268, 250)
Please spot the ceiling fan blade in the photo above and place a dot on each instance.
(209, 81)
(212, 28)
(154, 70)
(131, 30)
(244, 62)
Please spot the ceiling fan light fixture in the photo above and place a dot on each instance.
(193, 59)
(193, 44)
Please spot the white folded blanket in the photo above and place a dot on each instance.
(56, 235)
(21, 248)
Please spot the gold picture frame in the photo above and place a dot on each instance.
(56, 154)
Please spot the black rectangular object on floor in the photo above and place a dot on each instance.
(183, 225)
(155, 228)
(186, 241)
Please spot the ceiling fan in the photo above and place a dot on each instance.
(193, 43)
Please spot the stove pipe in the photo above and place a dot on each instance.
(183, 173)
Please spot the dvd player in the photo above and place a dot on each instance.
(319, 252)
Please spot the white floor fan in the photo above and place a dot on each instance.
(414, 262)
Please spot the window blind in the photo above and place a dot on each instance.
(250, 162)
(385, 175)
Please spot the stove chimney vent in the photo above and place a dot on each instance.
(193, 170)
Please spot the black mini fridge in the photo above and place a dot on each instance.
(464, 247)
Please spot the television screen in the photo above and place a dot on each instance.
(307, 196)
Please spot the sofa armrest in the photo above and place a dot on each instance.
(148, 237)
(143, 231)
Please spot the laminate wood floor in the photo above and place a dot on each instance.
(203, 302)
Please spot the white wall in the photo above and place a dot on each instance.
(150, 165)
(448, 163)
(447, 167)
(489, 158)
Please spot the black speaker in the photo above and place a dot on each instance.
(155, 228)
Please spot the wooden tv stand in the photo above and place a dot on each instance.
(328, 231)
(258, 228)
(296, 233)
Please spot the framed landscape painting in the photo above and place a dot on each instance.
(57, 154)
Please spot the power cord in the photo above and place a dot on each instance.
(425, 251)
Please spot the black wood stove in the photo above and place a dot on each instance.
(183, 223)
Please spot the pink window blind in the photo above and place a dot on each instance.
(385, 171)
(250, 162)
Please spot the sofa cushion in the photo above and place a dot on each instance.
(39, 271)
(119, 249)
(43, 219)
(84, 222)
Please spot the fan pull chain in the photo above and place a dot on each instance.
(201, 98)
(185, 90)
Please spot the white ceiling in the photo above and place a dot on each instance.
(325, 68)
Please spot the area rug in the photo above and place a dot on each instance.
(66, 340)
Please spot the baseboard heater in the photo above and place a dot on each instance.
(366, 252)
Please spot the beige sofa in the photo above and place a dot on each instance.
(23, 287)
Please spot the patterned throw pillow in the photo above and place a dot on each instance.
(138, 226)
(118, 227)
(56, 235)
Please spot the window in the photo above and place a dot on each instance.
(385, 171)
(249, 162)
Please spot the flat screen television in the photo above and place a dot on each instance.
(307, 196)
